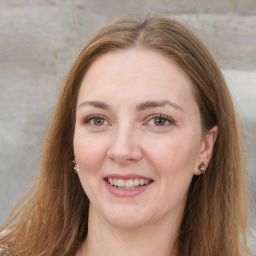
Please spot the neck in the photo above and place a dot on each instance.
(154, 239)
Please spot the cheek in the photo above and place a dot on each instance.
(89, 151)
(90, 154)
(174, 154)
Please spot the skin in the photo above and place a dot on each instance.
(130, 139)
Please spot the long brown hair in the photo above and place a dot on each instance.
(53, 219)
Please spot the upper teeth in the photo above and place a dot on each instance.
(127, 183)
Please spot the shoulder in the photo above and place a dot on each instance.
(3, 252)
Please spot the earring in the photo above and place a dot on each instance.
(76, 166)
(202, 167)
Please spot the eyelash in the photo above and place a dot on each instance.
(162, 117)
(92, 117)
(165, 118)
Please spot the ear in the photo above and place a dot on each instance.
(206, 149)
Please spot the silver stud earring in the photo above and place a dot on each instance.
(76, 166)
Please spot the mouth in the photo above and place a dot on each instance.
(128, 184)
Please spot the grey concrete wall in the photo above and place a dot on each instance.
(40, 39)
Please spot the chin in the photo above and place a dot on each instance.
(126, 222)
(126, 218)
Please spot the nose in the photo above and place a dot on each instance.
(124, 147)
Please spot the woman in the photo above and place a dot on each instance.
(147, 118)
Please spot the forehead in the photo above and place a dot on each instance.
(136, 74)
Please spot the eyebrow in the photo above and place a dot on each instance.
(140, 107)
(155, 104)
(96, 104)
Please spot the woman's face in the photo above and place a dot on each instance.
(138, 139)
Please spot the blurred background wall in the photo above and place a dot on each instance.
(39, 40)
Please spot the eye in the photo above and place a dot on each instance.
(161, 121)
(95, 120)
(98, 121)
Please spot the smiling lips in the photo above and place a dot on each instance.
(127, 183)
